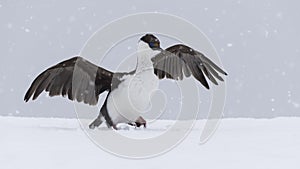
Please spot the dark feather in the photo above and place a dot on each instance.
(179, 60)
(79, 79)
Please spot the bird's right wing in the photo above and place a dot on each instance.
(77, 78)
(180, 61)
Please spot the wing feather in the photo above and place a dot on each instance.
(211, 63)
(179, 60)
(212, 71)
(77, 78)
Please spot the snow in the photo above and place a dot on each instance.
(238, 143)
(9, 25)
(82, 8)
(296, 105)
(229, 44)
(266, 33)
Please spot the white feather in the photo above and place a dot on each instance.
(132, 97)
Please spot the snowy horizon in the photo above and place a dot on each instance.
(56, 143)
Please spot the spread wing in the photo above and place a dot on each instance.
(179, 60)
(77, 78)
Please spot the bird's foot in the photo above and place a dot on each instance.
(139, 122)
(115, 127)
(96, 123)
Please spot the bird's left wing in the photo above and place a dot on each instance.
(77, 78)
(180, 61)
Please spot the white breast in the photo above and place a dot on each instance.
(132, 97)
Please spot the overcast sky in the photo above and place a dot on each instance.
(257, 42)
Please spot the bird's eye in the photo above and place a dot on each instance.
(153, 44)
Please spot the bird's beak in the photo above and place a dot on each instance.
(158, 48)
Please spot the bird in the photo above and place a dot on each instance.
(128, 92)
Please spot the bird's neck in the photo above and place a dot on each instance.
(145, 54)
(144, 62)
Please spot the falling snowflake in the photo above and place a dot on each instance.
(296, 105)
(266, 33)
(72, 18)
(9, 25)
(279, 15)
(82, 8)
(229, 44)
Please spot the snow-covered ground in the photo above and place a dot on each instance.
(36, 143)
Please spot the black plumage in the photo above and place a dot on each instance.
(77, 78)
(179, 60)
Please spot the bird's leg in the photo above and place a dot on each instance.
(115, 127)
(96, 123)
(111, 125)
(132, 124)
(140, 122)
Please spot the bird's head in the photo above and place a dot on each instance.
(149, 41)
